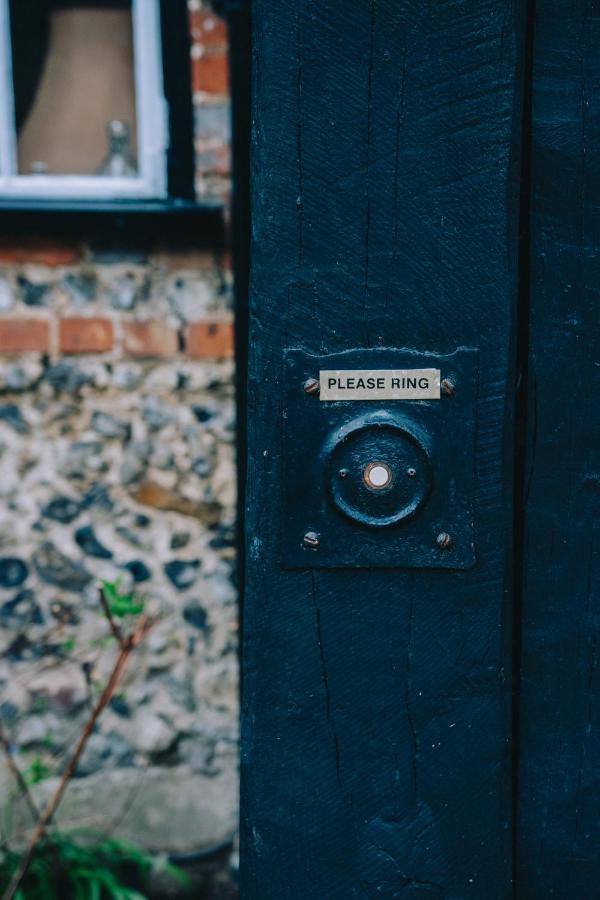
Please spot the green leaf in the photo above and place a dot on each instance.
(121, 604)
(36, 772)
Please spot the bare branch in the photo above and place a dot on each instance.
(127, 645)
(116, 631)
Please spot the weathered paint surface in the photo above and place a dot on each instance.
(559, 745)
(376, 718)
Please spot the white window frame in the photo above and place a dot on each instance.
(151, 115)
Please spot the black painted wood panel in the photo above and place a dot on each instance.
(559, 745)
(376, 717)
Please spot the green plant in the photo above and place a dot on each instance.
(36, 771)
(53, 865)
(71, 866)
(68, 645)
(121, 604)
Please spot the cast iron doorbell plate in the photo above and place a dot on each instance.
(377, 480)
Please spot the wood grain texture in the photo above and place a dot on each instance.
(559, 747)
(376, 724)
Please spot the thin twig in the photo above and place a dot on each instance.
(128, 644)
(18, 775)
(116, 631)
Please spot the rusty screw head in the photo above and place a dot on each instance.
(443, 540)
(447, 387)
(311, 539)
(311, 386)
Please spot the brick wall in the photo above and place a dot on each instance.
(211, 100)
(117, 461)
(64, 299)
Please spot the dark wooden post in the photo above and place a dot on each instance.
(559, 733)
(376, 709)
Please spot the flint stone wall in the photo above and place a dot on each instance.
(119, 463)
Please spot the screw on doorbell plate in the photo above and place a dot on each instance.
(443, 540)
(311, 386)
(311, 539)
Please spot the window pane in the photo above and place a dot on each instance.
(74, 87)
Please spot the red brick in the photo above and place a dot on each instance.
(151, 338)
(45, 252)
(81, 335)
(213, 160)
(209, 74)
(227, 261)
(209, 340)
(208, 29)
(23, 335)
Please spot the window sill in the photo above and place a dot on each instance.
(200, 221)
